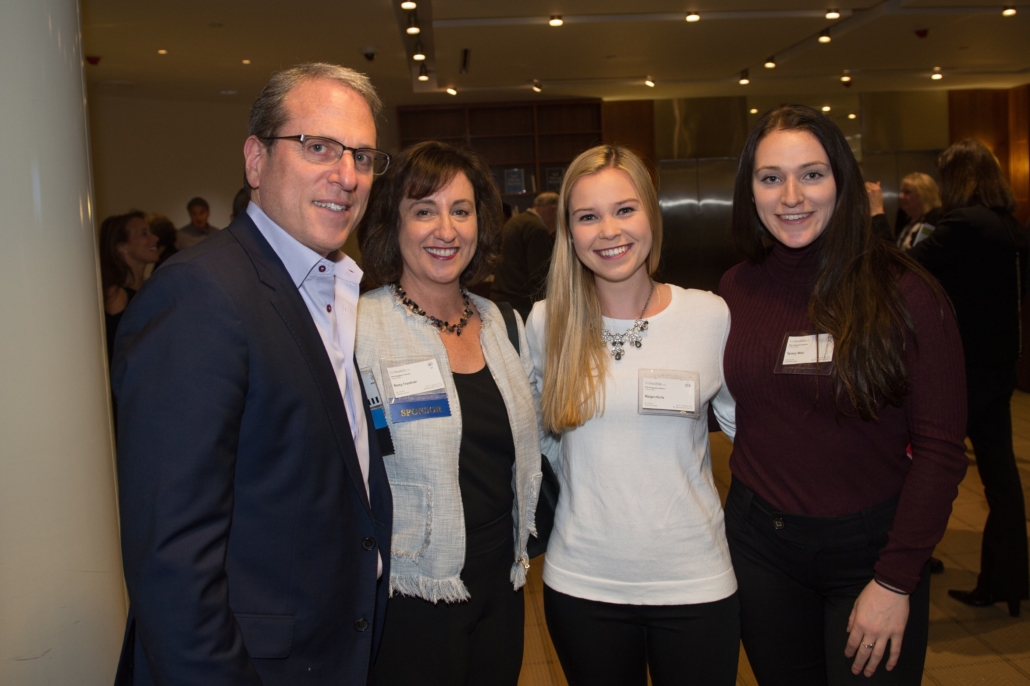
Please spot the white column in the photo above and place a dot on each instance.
(62, 603)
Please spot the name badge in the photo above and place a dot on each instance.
(669, 392)
(375, 407)
(415, 390)
(806, 352)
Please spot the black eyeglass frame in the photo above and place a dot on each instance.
(302, 137)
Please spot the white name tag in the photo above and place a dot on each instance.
(668, 394)
(415, 378)
(808, 349)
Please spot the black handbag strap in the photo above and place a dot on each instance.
(508, 313)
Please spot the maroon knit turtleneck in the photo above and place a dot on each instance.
(800, 454)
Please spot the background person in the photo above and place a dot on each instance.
(162, 227)
(198, 229)
(919, 210)
(526, 255)
(830, 523)
(466, 473)
(637, 574)
(127, 247)
(979, 253)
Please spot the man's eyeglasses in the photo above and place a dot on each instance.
(319, 150)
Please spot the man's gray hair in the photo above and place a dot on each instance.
(546, 199)
(268, 113)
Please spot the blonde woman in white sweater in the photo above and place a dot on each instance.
(637, 575)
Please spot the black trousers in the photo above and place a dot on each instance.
(1004, 569)
(477, 642)
(607, 643)
(799, 578)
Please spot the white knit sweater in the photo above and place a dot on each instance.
(639, 520)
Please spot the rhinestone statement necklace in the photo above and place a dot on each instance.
(444, 327)
(632, 335)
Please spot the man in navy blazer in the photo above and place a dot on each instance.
(255, 508)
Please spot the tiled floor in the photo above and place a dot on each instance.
(967, 645)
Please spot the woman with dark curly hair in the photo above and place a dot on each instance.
(458, 412)
(843, 353)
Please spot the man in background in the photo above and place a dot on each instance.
(198, 229)
(521, 278)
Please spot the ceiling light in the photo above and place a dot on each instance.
(852, 116)
(1008, 12)
(833, 14)
(693, 16)
(556, 20)
(824, 36)
(537, 86)
(423, 73)
(246, 61)
(845, 77)
(649, 82)
(753, 110)
(826, 108)
(419, 52)
(162, 51)
(413, 28)
(770, 63)
(936, 75)
(451, 91)
(408, 5)
(744, 80)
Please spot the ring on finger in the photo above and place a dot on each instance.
(868, 645)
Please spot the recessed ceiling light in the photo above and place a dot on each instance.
(833, 14)
(744, 80)
(845, 78)
(413, 28)
(770, 63)
(408, 5)
(936, 75)
(420, 54)
(451, 91)
(824, 36)
(826, 108)
(1008, 12)
(753, 110)
(246, 61)
(693, 16)
(556, 20)
(423, 73)
(162, 51)
(649, 82)
(852, 116)
(537, 86)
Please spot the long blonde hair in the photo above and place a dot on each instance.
(576, 357)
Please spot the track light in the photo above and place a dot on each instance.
(693, 16)
(649, 82)
(537, 86)
(413, 28)
(744, 80)
(1008, 12)
(420, 54)
(936, 75)
(423, 72)
(408, 5)
(824, 36)
(451, 91)
(770, 63)
(833, 14)
(556, 20)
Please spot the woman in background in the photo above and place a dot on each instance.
(979, 253)
(843, 352)
(126, 248)
(637, 574)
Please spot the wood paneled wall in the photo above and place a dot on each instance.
(630, 123)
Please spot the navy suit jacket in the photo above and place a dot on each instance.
(249, 543)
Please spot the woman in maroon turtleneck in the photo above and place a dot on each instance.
(842, 353)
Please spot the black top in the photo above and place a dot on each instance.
(486, 459)
(973, 253)
(521, 277)
(111, 322)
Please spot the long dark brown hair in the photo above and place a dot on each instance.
(855, 295)
(420, 171)
(970, 175)
(113, 231)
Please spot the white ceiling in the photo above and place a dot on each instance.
(601, 51)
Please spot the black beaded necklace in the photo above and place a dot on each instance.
(444, 327)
